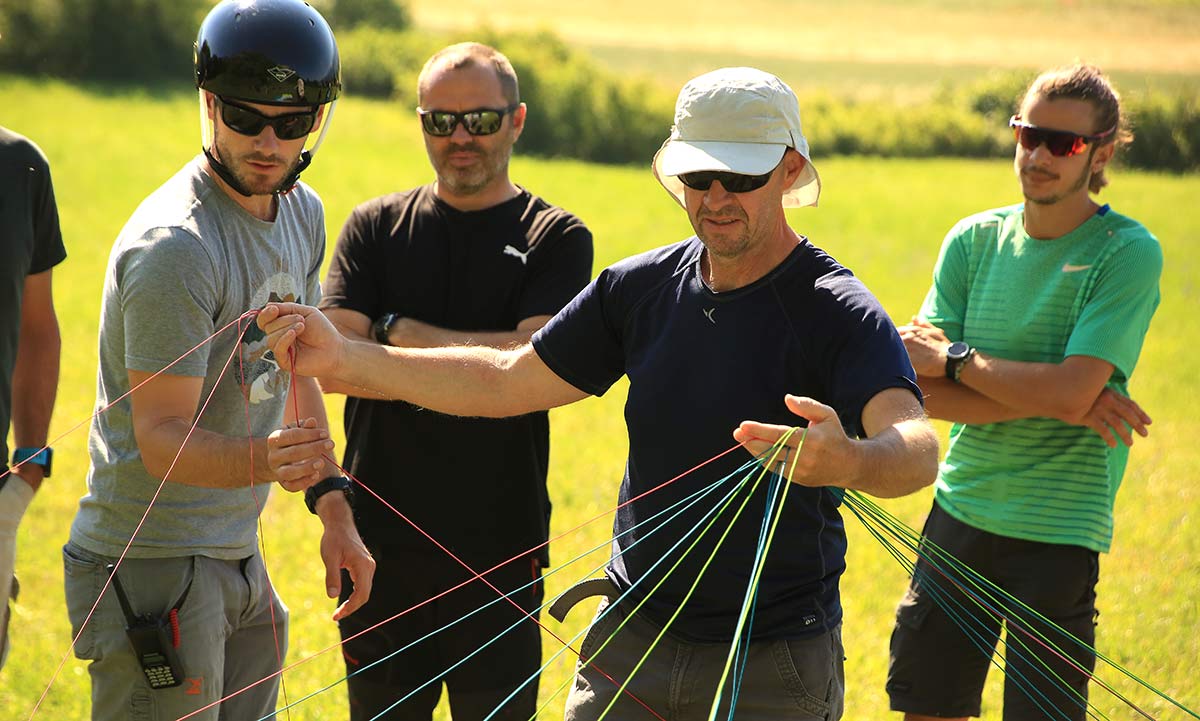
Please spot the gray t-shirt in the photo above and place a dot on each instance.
(189, 262)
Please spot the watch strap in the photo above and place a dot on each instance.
(326, 485)
(382, 326)
(43, 457)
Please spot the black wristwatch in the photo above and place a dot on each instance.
(383, 325)
(43, 457)
(320, 488)
(957, 356)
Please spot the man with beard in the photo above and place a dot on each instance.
(179, 469)
(470, 258)
(745, 319)
(1027, 340)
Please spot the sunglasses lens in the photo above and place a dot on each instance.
(731, 182)
(1060, 143)
(439, 123)
(287, 127)
(291, 127)
(482, 122)
(242, 121)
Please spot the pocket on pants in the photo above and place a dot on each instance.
(601, 628)
(808, 668)
(83, 577)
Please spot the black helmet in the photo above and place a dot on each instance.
(276, 52)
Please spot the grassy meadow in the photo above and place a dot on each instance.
(885, 219)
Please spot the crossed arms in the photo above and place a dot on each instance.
(992, 389)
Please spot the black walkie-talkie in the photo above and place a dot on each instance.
(153, 641)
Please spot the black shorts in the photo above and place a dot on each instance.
(943, 640)
(477, 685)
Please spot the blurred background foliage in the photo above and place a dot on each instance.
(581, 108)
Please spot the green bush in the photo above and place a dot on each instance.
(100, 39)
(576, 108)
(1166, 132)
(349, 14)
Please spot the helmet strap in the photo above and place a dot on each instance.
(225, 175)
(289, 183)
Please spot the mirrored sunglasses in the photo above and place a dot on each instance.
(731, 182)
(481, 121)
(1060, 143)
(248, 121)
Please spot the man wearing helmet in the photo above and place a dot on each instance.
(174, 493)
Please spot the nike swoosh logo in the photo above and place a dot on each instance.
(1068, 268)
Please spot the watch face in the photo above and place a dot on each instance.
(957, 350)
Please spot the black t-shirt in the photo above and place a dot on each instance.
(478, 485)
(699, 363)
(30, 243)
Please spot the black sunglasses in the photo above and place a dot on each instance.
(731, 182)
(248, 121)
(1060, 143)
(482, 121)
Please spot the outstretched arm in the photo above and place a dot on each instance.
(412, 333)
(898, 456)
(463, 380)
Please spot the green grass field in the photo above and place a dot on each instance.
(885, 219)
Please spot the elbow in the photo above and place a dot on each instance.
(1070, 410)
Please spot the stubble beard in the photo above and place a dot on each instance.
(470, 181)
(1085, 176)
(236, 167)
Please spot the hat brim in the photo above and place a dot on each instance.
(679, 156)
(676, 157)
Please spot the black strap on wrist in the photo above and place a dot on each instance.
(382, 326)
(326, 485)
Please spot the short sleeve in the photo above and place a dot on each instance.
(559, 272)
(48, 249)
(1116, 316)
(582, 344)
(352, 282)
(863, 353)
(167, 287)
(945, 304)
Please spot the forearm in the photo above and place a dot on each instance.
(950, 401)
(35, 384)
(207, 459)
(415, 334)
(1053, 390)
(461, 380)
(899, 460)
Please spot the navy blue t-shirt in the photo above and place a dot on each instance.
(699, 363)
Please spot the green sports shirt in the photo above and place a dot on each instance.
(1090, 292)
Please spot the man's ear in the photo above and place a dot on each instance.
(518, 120)
(1102, 156)
(793, 165)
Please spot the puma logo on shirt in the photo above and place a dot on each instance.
(509, 250)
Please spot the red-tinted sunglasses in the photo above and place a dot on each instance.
(1060, 143)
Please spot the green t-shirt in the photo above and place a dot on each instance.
(1090, 292)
